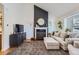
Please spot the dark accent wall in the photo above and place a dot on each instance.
(40, 13)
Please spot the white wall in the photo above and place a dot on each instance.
(51, 23)
(10, 15)
(26, 18)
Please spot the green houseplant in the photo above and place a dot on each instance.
(59, 24)
(67, 30)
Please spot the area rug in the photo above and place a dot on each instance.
(36, 48)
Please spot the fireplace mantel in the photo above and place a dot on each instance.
(40, 28)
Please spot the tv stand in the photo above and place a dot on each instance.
(17, 39)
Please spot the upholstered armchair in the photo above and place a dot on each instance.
(73, 50)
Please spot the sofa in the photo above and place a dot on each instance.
(63, 44)
(60, 37)
(65, 38)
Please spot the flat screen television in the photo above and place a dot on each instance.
(18, 28)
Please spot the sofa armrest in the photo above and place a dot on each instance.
(72, 39)
(61, 41)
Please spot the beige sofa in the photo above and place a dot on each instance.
(61, 38)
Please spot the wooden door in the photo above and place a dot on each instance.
(0, 41)
(1, 25)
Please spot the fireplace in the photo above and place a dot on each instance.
(40, 33)
(40, 22)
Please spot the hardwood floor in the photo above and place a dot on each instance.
(7, 51)
(0, 41)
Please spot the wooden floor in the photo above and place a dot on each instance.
(7, 51)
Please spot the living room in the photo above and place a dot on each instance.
(40, 21)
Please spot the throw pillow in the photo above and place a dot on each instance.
(57, 34)
(63, 34)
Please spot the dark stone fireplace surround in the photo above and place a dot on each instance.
(41, 31)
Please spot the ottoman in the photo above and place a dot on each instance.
(51, 43)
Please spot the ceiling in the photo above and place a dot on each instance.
(59, 9)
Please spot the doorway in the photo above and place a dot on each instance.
(1, 25)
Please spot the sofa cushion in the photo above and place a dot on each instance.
(63, 35)
(76, 44)
(60, 40)
(57, 34)
(68, 41)
(74, 35)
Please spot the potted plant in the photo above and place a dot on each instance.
(67, 30)
(59, 24)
